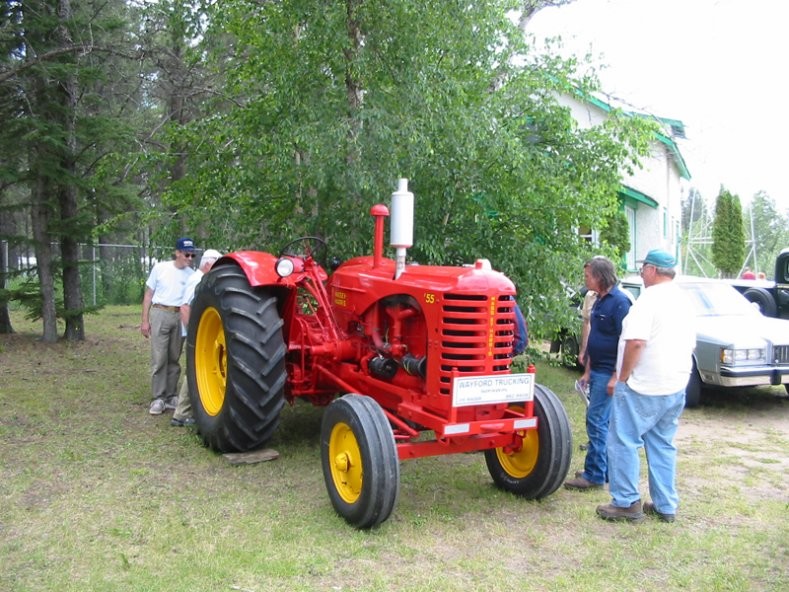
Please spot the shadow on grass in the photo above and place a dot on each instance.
(735, 400)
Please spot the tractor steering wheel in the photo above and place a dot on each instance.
(307, 247)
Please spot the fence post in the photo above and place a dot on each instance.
(93, 269)
(4, 269)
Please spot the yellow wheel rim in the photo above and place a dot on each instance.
(345, 460)
(520, 464)
(211, 361)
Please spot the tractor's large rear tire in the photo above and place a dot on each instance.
(540, 466)
(235, 362)
(360, 463)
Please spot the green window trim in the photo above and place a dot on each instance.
(633, 197)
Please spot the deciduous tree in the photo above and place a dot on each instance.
(770, 231)
(336, 101)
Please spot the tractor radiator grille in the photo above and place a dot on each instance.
(476, 335)
(781, 354)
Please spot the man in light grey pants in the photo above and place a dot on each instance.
(161, 323)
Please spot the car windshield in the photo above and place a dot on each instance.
(712, 300)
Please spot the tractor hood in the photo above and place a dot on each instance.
(368, 283)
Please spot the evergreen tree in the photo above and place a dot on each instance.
(53, 69)
(177, 90)
(728, 234)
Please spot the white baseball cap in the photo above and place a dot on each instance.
(210, 254)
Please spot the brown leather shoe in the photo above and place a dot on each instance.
(581, 484)
(649, 508)
(632, 513)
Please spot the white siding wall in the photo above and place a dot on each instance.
(585, 114)
(659, 179)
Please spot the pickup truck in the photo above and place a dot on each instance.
(771, 296)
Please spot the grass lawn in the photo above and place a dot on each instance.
(96, 494)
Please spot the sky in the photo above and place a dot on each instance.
(719, 66)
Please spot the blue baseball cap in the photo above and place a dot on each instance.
(186, 245)
(660, 258)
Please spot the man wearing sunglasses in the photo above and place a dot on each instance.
(161, 323)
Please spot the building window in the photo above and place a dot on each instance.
(590, 235)
(665, 223)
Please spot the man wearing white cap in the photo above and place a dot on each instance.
(653, 366)
(183, 409)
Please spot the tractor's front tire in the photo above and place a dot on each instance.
(540, 466)
(360, 463)
(235, 361)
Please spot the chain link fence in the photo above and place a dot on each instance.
(110, 273)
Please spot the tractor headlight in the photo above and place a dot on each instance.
(284, 267)
(732, 357)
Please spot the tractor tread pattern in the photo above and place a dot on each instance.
(380, 461)
(555, 451)
(256, 352)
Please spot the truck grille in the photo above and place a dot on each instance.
(781, 354)
(476, 335)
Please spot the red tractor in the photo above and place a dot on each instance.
(422, 356)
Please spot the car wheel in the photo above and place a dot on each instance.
(764, 299)
(569, 351)
(694, 388)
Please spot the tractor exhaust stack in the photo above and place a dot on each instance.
(401, 229)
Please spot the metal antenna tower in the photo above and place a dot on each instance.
(699, 234)
(751, 242)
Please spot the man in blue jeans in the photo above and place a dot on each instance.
(610, 308)
(655, 360)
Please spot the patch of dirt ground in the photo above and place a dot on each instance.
(743, 438)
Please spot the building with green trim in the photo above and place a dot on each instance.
(650, 197)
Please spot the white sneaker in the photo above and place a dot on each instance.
(157, 407)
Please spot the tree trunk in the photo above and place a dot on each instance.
(353, 85)
(5, 320)
(354, 92)
(39, 215)
(73, 302)
(5, 317)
